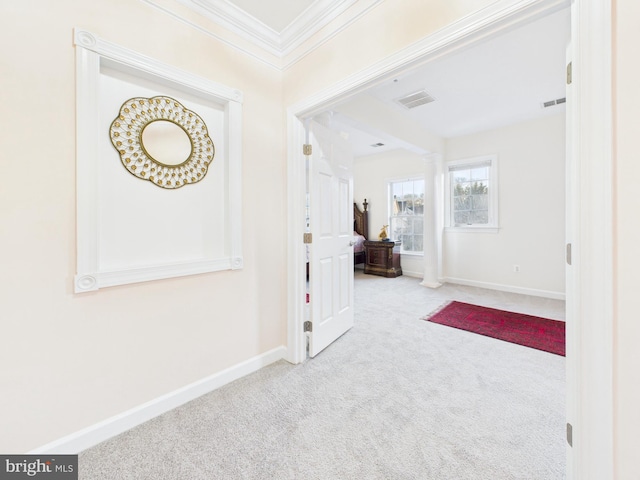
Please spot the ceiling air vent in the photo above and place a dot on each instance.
(415, 99)
(551, 103)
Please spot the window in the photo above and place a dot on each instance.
(472, 193)
(406, 209)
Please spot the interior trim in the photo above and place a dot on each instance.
(93, 53)
(534, 292)
(90, 436)
(313, 28)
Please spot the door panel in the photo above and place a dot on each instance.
(346, 277)
(326, 285)
(331, 252)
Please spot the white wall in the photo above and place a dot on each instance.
(74, 360)
(627, 240)
(531, 170)
(531, 158)
(371, 175)
(69, 361)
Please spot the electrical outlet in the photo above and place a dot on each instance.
(516, 268)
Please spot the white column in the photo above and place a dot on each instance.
(432, 220)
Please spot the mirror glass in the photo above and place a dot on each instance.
(166, 142)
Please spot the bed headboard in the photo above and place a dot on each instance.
(361, 219)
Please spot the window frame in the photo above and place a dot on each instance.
(493, 224)
(390, 215)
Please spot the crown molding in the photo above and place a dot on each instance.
(239, 22)
(205, 31)
(279, 44)
(312, 20)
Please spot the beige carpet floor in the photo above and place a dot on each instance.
(396, 397)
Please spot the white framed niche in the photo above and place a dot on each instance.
(128, 229)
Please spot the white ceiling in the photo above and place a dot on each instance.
(500, 81)
(276, 14)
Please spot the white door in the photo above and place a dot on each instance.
(331, 224)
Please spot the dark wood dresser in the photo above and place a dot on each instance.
(382, 258)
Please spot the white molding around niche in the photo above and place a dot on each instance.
(93, 53)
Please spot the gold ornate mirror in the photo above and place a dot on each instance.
(166, 142)
(161, 141)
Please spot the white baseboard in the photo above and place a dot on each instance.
(90, 436)
(408, 273)
(506, 288)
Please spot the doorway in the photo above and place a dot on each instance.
(590, 371)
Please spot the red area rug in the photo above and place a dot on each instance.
(535, 332)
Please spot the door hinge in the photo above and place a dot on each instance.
(570, 434)
(306, 149)
(308, 326)
(568, 254)
(569, 73)
(308, 238)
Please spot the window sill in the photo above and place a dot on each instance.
(472, 229)
(413, 254)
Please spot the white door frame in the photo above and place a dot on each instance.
(592, 297)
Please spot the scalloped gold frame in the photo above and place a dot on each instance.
(126, 136)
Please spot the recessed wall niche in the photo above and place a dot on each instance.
(130, 230)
